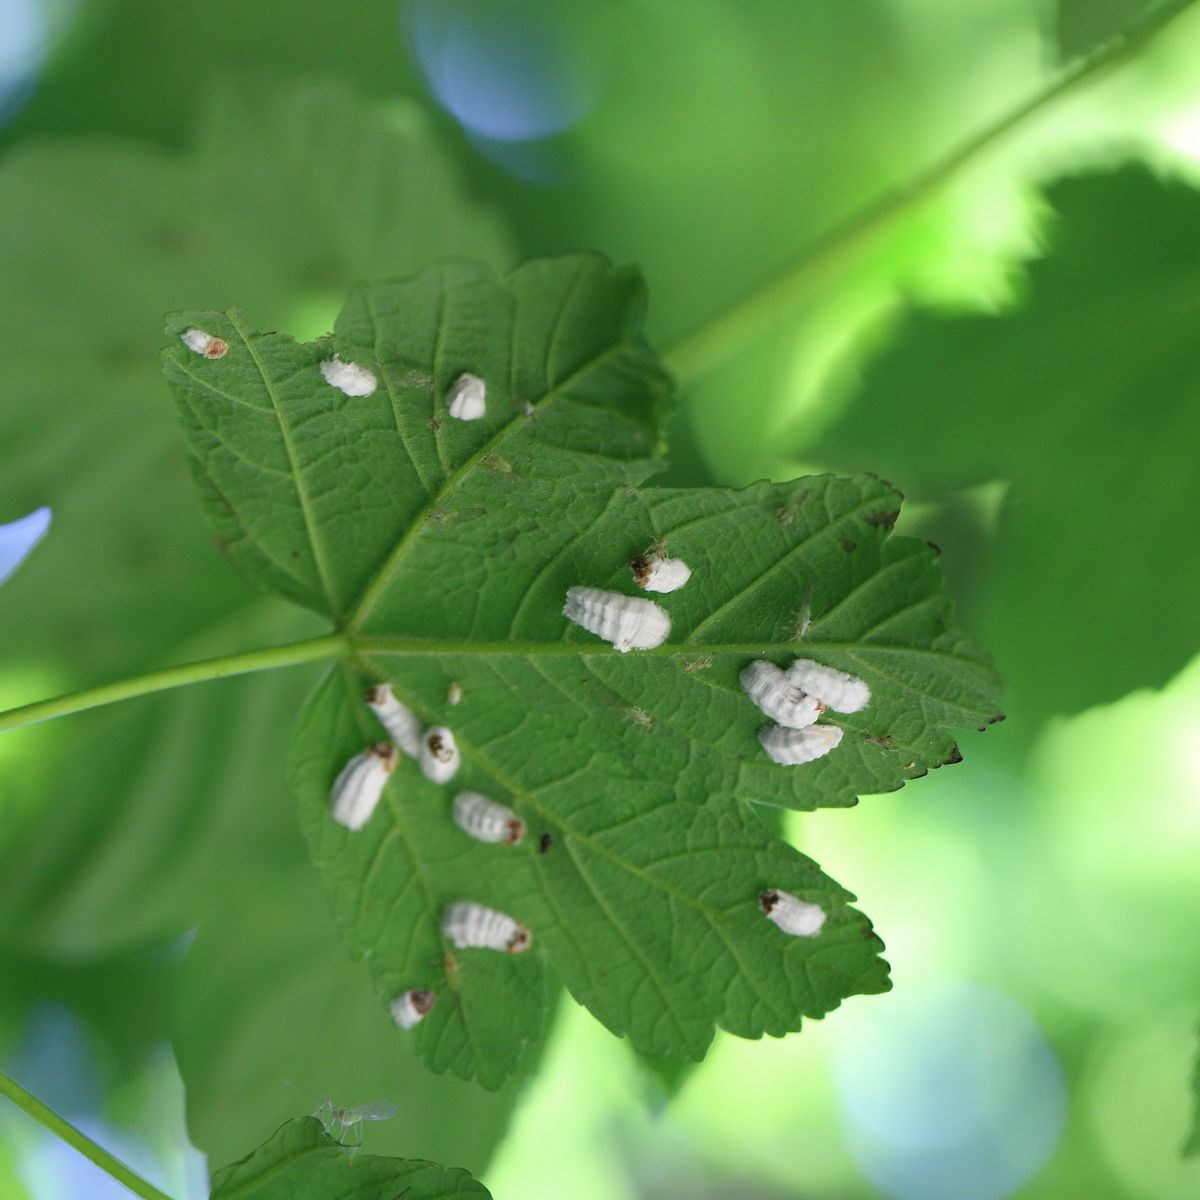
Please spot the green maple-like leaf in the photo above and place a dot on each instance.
(302, 1162)
(444, 549)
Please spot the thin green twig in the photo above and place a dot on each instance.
(761, 307)
(172, 677)
(81, 1142)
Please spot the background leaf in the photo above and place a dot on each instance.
(126, 827)
(1193, 1142)
(302, 1162)
(446, 549)
(1083, 405)
(1082, 25)
(134, 230)
(271, 1019)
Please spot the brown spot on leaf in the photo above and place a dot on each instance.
(884, 518)
(544, 843)
(955, 756)
(847, 545)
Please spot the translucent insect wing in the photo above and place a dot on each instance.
(373, 1110)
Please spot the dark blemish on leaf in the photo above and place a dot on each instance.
(921, 773)
(544, 843)
(884, 518)
(887, 483)
(640, 565)
(993, 720)
(955, 756)
(434, 424)
(847, 545)
(768, 899)
(422, 1000)
(934, 547)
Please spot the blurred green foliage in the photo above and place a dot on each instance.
(1082, 406)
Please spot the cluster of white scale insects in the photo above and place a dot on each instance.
(794, 698)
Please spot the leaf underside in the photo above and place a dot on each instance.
(302, 1162)
(445, 548)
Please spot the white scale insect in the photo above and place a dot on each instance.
(835, 689)
(467, 924)
(439, 754)
(200, 342)
(348, 377)
(410, 1008)
(466, 398)
(487, 821)
(338, 1119)
(357, 789)
(792, 915)
(791, 747)
(795, 698)
(398, 719)
(628, 622)
(657, 573)
(768, 686)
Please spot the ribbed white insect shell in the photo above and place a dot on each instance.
(410, 1008)
(791, 747)
(791, 914)
(398, 719)
(487, 821)
(767, 685)
(467, 397)
(200, 342)
(439, 754)
(657, 574)
(469, 925)
(358, 787)
(628, 622)
(835, 689)
(348, 377)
